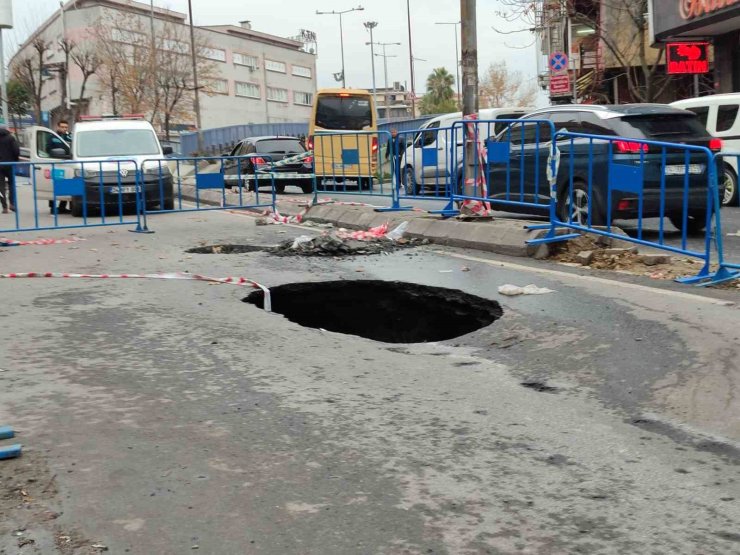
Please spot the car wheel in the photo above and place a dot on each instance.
(279, 189)
(577, 211)
(729, 180)
(307, 188)
(75, 207)
(409, 181)
(696, 222)
(365, 183)
(168, 203)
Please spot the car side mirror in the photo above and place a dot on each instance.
(167, 150)
(60, 153)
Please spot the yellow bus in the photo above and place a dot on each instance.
(343, 137)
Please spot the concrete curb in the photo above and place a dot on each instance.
(500, 236)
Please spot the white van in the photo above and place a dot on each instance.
(419, 173)
(720, 113)
(99, 143)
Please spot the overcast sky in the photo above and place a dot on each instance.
(433, 44)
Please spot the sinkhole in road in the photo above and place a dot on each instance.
(389, 311)
(226, 249)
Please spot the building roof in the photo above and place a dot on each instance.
(242, 32)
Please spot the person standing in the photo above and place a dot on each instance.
(393, 153)
(9, 152)
(65, 144)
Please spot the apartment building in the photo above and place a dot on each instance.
(255, 77)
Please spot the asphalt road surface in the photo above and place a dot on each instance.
(167, 416)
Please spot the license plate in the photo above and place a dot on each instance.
(123, 190)
(680, 169)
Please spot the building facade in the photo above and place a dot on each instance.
(615, 52)
(253, 77)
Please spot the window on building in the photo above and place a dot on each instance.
(249, 90)
(300, 71)
(272, 65)
(215, 54)
(726, 116)
(245, 60)
(219, 86)
(176, 46)
(277, 95)
(302, 98)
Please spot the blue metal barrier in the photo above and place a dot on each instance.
(351, 162)
(608, 178)
(101, 193)
(726, 271)
(176, 185)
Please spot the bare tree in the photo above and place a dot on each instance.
(500, 87)
(88, 61)
(621, 26)
(29, 70)
(174, 77)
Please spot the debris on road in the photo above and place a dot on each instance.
(332, 245)
(513, 290)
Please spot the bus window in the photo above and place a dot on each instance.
(345, 112)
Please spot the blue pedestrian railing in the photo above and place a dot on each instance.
(69, 194)
(353, 162)
(604, 178)
(726, 271)
(178, 185)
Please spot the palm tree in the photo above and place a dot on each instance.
(439, 85)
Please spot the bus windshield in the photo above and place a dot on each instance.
(352, 113)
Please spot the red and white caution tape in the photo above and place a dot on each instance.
(171, 275)
(469, 206)
(4, 242)
(369, 235)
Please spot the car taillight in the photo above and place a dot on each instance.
(375, 145)
(629, 147)
(309, 142)
(715, 145)
(308, 161)
(259, 161)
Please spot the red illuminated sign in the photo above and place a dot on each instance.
(687, 57)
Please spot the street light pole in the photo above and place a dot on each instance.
(370, 25)
(411, 62)
(385, 72)
(341, 34)
(196, 101)
(457, 57)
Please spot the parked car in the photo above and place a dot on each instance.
(434, 135)
(274, 149)
(719, 114)
(107, 146)
(655, 122)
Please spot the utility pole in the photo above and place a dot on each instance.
(341, 34)
(385, 72)
(411, 62)
(457, 57)
(196, 101)
(370, 25)
(470, 84)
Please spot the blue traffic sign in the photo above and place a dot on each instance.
(558, 61)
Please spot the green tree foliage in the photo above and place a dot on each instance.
(440, 97)
(19, 101)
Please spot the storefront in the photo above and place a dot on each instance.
(715, 20)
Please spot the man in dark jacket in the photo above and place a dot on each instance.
(9, 152)
(54, 142)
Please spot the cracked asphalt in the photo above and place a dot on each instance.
(170, 417)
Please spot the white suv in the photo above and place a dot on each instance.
(720, 114)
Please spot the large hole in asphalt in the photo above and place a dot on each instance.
(389, 311)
